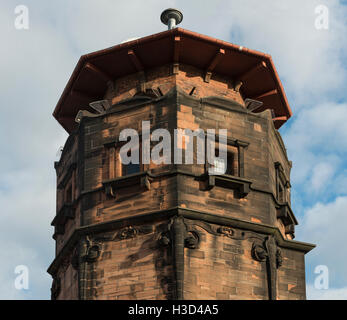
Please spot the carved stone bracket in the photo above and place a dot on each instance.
(223, 230)
(191, 240)
(127, 233)
(89, 252)
(228, 232)
(264, 248)
(93, 252)
(268, 251)
(131, 231)
(182, 233)
(190, 235)
(259, 252)
(164, 239)
(179, 235)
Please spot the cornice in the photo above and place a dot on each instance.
(159, 215)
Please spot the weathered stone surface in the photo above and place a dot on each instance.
(125, 233)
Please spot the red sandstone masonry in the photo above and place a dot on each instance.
(139, 268)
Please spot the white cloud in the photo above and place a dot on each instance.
(35, 66)
(325, 225)
(27, 208)
(317, 145)
(329, 294)
(310, 61)
(322, 173)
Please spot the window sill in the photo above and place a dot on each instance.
(140, 178)
(227, 181)
(286, 215)
(66, 212)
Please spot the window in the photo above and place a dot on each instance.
(219, 166)
(282, 184)
(130, 168)
(229, 172)
(114, 168)
(127, 169)
(230, 166)
(118, 175)
(281, 193)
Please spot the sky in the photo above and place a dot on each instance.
(36, 63)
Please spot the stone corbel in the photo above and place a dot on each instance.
(268, 252)
(179, 235)
(127, 233)
(164, 239)
(190, 234)
(191, 240)
(131, 231)
(93, 252)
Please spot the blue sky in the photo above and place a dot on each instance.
(36, 64)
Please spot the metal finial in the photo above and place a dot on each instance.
(171, 18)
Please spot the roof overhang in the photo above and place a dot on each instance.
(256, 70)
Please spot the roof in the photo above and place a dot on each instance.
(256, 70)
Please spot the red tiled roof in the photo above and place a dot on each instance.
(255, 69)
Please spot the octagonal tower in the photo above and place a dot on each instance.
(173, 231)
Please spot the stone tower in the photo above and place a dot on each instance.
(174, 231)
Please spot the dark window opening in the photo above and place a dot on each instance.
(130, 168)
(224, 167)
(230, 164)
(281, 195)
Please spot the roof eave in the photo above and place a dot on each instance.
(157, 36)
